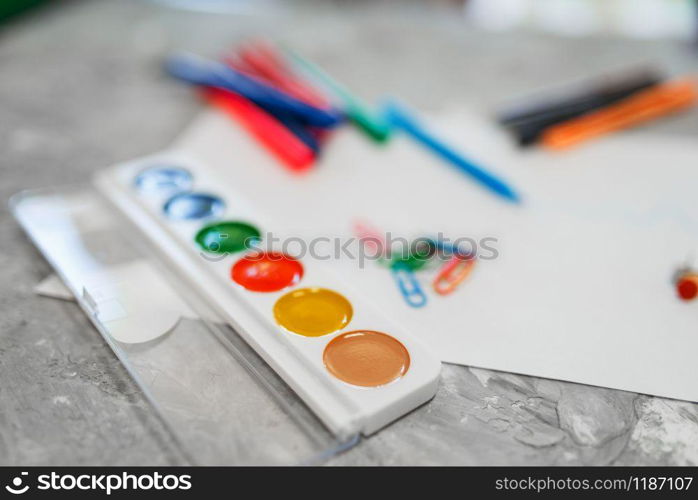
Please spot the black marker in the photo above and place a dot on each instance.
(528, 123)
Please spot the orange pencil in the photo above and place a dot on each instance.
(646, 105)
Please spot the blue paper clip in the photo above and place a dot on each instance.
(409, 286)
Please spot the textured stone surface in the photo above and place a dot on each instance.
(81, 87)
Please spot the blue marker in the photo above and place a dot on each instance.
(297, 128)
(400, 118)
(200, 71)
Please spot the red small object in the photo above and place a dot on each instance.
(687, 286)
(266, 271)
(283, 143)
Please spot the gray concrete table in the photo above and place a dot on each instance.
(81, 87)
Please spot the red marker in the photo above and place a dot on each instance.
(288, 148)
(265, 60)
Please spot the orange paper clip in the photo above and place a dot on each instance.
(452, 274)
(646, 105)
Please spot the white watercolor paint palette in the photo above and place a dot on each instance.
(354, 367)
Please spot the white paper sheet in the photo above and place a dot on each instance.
(582, 287)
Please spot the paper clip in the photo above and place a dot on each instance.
(452, 274)
(410, 288)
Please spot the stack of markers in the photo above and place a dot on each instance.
(259, 89)
(599, 109)
(262, 88)
(265, 89)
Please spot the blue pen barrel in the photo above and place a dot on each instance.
(404, 120)
(199, 71)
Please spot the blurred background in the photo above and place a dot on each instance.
(631, 18)
(478, 54)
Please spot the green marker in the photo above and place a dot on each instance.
(374, 126)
